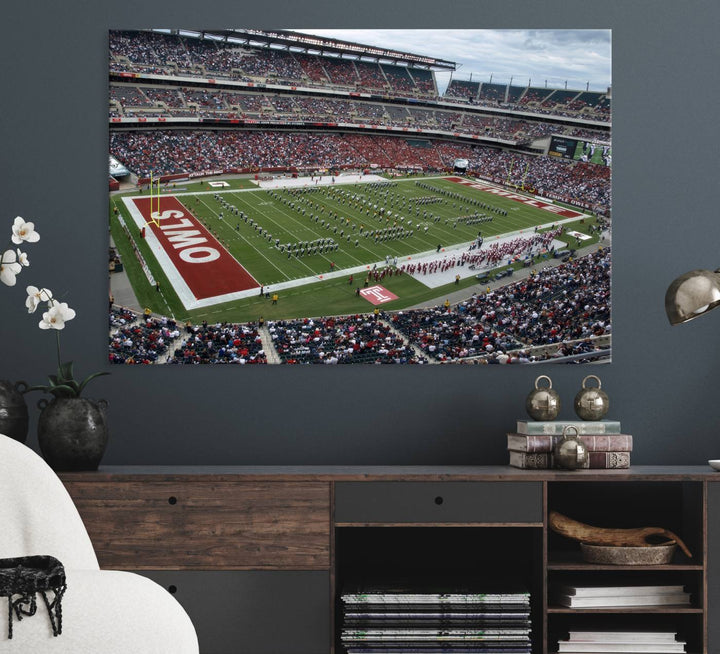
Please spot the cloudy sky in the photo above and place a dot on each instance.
(558, 56)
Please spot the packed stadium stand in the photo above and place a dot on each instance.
(504, 326)
(243, 101)
(350, 339)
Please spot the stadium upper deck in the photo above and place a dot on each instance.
(162, 101)
(252, 58)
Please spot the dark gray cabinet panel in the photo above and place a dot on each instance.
(441, 501)
(254, 611)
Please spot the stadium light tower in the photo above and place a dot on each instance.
(691, 295)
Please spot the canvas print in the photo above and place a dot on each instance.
(359, 196)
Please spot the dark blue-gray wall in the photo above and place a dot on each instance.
(663, 382)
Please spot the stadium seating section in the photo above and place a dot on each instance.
(506, 325)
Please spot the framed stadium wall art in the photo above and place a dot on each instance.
(349, 196)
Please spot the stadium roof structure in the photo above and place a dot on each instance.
(311, 44)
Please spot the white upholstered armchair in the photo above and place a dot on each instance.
(103, 612)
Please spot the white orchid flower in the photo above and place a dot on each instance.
(36, 296)
(22, 258)
(56, 316)
(23, 231)
(9, 267)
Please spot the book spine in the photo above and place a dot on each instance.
(608, 460)
(596, 460)
(555, 428)
(593, 442)
(529, 460)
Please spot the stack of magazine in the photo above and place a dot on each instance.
(583, 597)
(625, 642)
(392, 621)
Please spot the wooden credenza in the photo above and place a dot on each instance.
(258, 556)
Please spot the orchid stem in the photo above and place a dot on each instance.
(57, 334)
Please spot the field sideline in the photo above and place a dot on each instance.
(305, 242)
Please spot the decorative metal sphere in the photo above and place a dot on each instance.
(591, 403)
(543, 403)
(570, 453)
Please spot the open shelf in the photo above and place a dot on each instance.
(475, 559)
(626, 609)
(572, 560)
(679, 507)
(688, 624)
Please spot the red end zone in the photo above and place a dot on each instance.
(202, 262)
(531, 202)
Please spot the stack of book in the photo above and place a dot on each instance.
(583, 597)
(385, 621)
(647, 642)
(531, 446)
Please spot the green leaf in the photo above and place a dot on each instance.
(45, 389)
(65, 371)
(89, 379)
(63, 391)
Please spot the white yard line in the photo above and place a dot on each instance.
(244, 239)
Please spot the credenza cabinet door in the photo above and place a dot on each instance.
(148, 524)
(254, 611)
(403, 502)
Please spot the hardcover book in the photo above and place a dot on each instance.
(546, 442)
(555, 427)
(545, 460)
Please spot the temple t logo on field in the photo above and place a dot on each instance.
(377, 294)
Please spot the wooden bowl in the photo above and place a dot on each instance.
(621, 555)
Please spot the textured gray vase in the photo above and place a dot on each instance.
(72, 433)
(13, 410)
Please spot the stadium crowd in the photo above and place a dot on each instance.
(152, 101)
(138, 340)
(166, 54)
(186, 151)
(127, 100)
(220, 344)
(570, 302)
(350, 339)
(567, 306)
(587, 104)
(169, 54)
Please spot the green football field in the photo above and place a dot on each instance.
(296, 235)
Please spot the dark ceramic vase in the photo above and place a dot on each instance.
(72, 433)
(13, 410)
